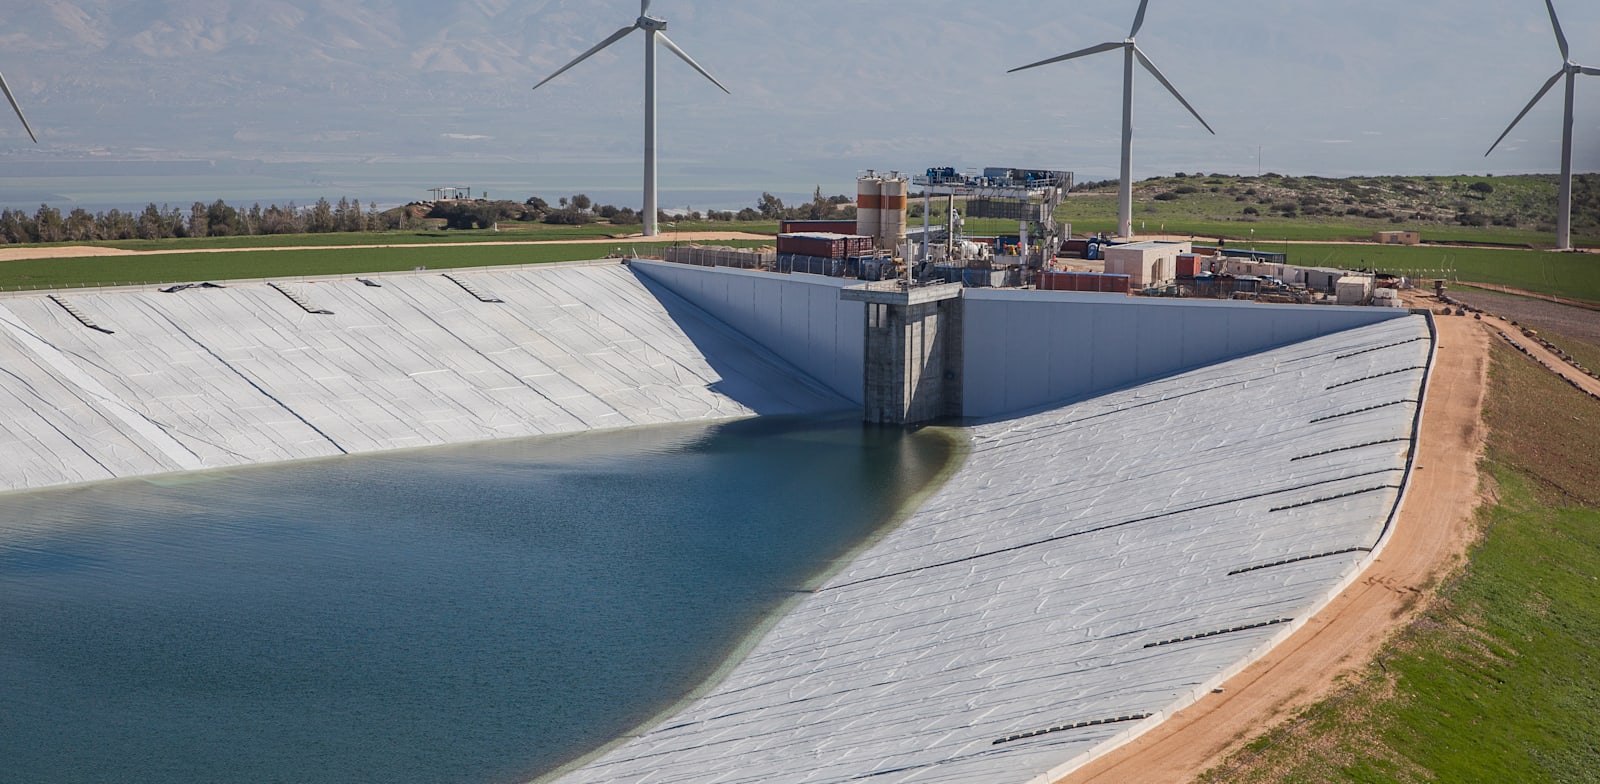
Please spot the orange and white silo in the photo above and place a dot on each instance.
(869, 205)
(892, 212)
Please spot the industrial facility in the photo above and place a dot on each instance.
(882, 244)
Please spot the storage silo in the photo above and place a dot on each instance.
(892, 215)
(869, 205)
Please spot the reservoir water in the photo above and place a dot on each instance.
(476, 614)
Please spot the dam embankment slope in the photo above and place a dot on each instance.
(107, 383)
(1090, 569)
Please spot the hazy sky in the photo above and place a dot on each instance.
(821, 89)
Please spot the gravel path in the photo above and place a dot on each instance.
(1567, 320)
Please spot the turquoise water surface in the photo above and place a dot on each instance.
(469, 614)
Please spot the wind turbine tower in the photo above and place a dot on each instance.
(18, 109)
(1570, 70)
(1130, 53)
(654, 30)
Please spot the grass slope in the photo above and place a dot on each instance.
(508, 232)
(1499, 680)
(1516, 210)
(190, 267)
(1573, 275)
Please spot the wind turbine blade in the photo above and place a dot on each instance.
(17, 109)
(1590, 71)
(1561, 40)
(690, 60)
(615, 37)
(644, 7)
(1138, 21)
(1156, 72)
(1542, 90)
(1096, 49)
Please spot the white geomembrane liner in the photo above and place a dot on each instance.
(242, 374)
(1055, 578)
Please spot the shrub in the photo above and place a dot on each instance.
(569, 216)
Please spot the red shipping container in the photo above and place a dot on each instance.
(825, 245)
(812, 226)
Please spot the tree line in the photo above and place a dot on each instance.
(579, 209)
(218, 219)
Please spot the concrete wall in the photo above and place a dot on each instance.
(798, 317)
(1088, 344)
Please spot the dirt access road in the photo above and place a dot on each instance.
(81, 251)
(1430, 539)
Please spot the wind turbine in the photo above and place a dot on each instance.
(1130, 53)
(13, 99)
(654, 30)
(1570, 70)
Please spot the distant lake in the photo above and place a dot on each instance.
(473, 614)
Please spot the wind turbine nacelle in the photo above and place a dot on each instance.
(651, 24)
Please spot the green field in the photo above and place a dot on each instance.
(1499, 679)
(1518, 210)
(509, 232)
(1571, 275)
(194, 267)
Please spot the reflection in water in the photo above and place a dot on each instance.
(470, 614)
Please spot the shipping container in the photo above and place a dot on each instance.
(1189, 265)
(826, 245)
(813, 226)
